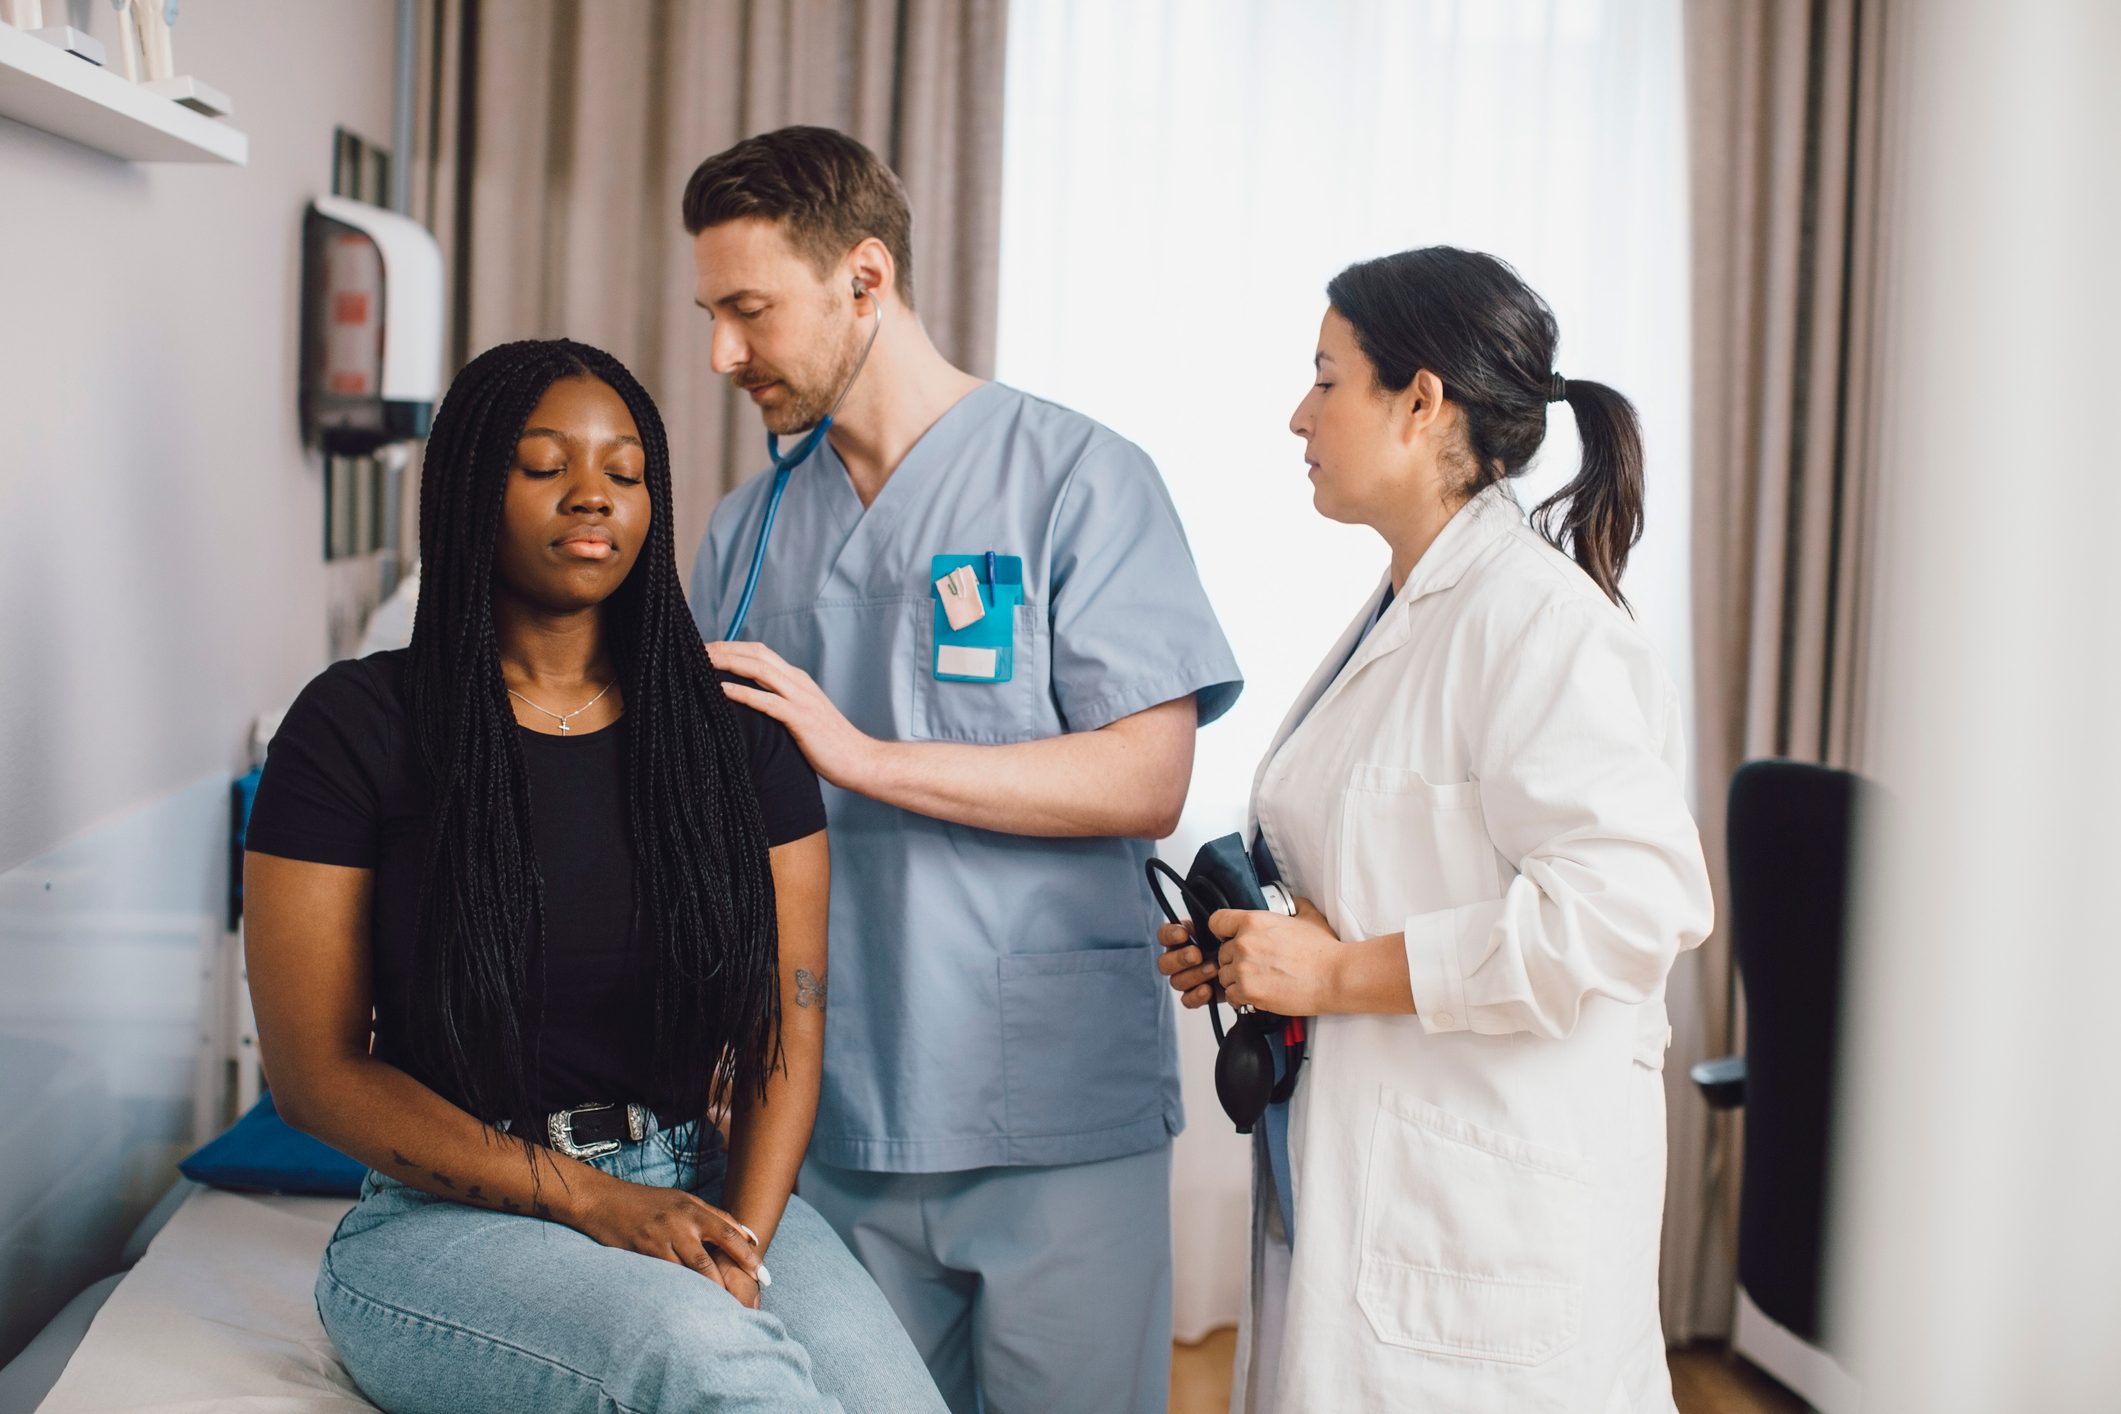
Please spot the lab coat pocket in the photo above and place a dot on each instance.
(1409, 845)
(1472, 1241)
(1082, 1045)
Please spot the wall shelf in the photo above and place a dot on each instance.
(74, 99)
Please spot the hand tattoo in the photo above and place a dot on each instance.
(809, 988)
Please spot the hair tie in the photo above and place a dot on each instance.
(1557, 389)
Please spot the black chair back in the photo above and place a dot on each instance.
(1791, 832)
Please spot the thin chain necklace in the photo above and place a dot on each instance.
(563, 718)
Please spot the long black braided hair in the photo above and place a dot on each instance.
(703, 891)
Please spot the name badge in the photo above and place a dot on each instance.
(975, 598)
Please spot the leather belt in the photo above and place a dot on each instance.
(591, 1131)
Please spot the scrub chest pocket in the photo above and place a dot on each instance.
(985, 649)
(979, 682)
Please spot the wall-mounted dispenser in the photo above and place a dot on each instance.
(371, 326)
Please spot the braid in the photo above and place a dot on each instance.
(700, 844)
(703, 891)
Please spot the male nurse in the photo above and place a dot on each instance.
(979, 616)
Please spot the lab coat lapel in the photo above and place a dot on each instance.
(1388, 637)
(1314, 690)
(1457, 546)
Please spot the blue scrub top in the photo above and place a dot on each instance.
(995, 999)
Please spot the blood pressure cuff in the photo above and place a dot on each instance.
(1222, 876)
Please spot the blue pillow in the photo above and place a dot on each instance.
(261, 1154)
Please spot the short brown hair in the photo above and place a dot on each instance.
(830, 191)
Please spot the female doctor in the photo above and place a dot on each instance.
(1479, 798)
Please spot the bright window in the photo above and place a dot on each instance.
(1180, 181)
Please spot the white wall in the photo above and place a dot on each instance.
(1978, 1233)
(161, 583)
(160, 567)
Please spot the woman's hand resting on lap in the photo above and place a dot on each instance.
(1267, 960)
(673, 1226)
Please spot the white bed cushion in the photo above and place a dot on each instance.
(217, 1315)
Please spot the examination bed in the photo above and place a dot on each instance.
(215, 1314)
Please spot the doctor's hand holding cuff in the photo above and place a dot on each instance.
(1482, 788)
(1290, 966)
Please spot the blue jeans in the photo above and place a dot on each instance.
(434, 1305)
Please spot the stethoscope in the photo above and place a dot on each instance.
(784, 465)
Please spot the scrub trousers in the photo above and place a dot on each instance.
(434, 1305)
(1026, 1290)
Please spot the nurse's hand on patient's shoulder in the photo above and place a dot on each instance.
(1278, 963)
(836, 749)
(671, 1225)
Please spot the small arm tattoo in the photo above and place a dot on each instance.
(809, 988)
(474, 1193)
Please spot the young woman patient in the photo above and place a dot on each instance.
(583, 897)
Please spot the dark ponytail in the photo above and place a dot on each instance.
(1489, 338)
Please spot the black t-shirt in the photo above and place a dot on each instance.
(343, 784)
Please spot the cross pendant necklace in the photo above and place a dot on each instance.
(563, 718)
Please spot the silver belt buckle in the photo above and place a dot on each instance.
(559, 1129)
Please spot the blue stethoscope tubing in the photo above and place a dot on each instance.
(781, 469)
(782, 466)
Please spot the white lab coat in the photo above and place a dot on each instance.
(1498, 774)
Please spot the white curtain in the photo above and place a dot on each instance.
(1180, 179)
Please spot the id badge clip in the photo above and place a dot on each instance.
(975, 599)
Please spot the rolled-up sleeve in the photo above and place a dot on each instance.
(1579, 763)
(1132, 626)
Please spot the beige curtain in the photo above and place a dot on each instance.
(1786, 144)
(555, 137)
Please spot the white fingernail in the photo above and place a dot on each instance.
(765, 1277)
(748, 1233)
